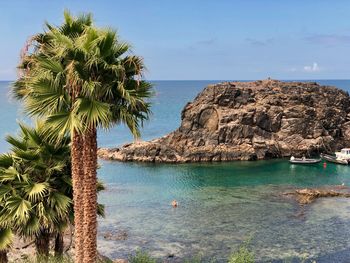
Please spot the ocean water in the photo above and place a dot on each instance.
(221, 205)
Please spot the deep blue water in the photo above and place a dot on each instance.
(220, 205)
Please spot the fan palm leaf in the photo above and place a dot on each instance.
(6, 238)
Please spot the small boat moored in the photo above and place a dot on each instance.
(334, 159)
(303, 160)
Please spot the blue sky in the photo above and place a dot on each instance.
(204, 39)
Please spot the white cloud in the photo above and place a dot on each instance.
(313, 68)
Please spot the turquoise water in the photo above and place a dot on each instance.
(220, 205)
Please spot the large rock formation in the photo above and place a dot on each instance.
(250, 121)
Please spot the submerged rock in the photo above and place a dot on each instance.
(250, 121)
(120, 235)
(307, 195)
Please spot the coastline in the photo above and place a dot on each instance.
(256, 120)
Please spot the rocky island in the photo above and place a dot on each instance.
(250, 121)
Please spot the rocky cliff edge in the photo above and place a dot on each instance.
(250, 121)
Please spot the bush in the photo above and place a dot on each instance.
(141, 257)
(242, 255)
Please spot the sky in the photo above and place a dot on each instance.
(203, 40)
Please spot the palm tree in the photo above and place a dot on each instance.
(113, 95)
(6, 233)
(48, 87)
(81, 84)
(35, 191)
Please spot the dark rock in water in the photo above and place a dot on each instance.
(250, 121)
(120, 235)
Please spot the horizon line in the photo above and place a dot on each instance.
(296, 79)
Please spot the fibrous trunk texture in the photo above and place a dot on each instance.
(78, 190)
(90, 196)
(42, 244)
(59, 245)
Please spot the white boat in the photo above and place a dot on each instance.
(344, 154)
(342, 157)
(303, 160)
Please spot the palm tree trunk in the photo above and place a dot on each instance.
(3, 256)
(42, 244)
(90, 196)
(59, 245)
(78, 190)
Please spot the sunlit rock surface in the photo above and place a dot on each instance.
(250, 121)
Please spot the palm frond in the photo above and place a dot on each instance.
(101, 210)
(6, 160)
(94, 112)
(36, 191)
(59, 202)
(6, 238)
(8, 174)
(64, 123)
(18, 208)
(5, 190)
(17, 144)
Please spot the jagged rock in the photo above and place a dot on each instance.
(250, 121)
(307, 195)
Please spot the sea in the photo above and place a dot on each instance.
(221, 205)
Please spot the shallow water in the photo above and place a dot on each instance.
(220, 205)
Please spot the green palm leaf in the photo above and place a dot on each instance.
(30, 227)
(64, 122)
(36, 191)
(16, 143)
(48, 93)
(5, 190)
(50, 64)
(59, 202)
(93, 112)
(6, 238)
(18, 207)
(28, 155)
(8, 174)
(6, 160)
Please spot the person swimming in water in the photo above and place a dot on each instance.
(174, 203)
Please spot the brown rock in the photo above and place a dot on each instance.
(307, 195)
(249, 121)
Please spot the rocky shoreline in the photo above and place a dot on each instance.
(250, 121)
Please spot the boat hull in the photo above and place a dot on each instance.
(304, 161)
(334, 159)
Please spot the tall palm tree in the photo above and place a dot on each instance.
(47, 86)
(111, 93)
(107, 89)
